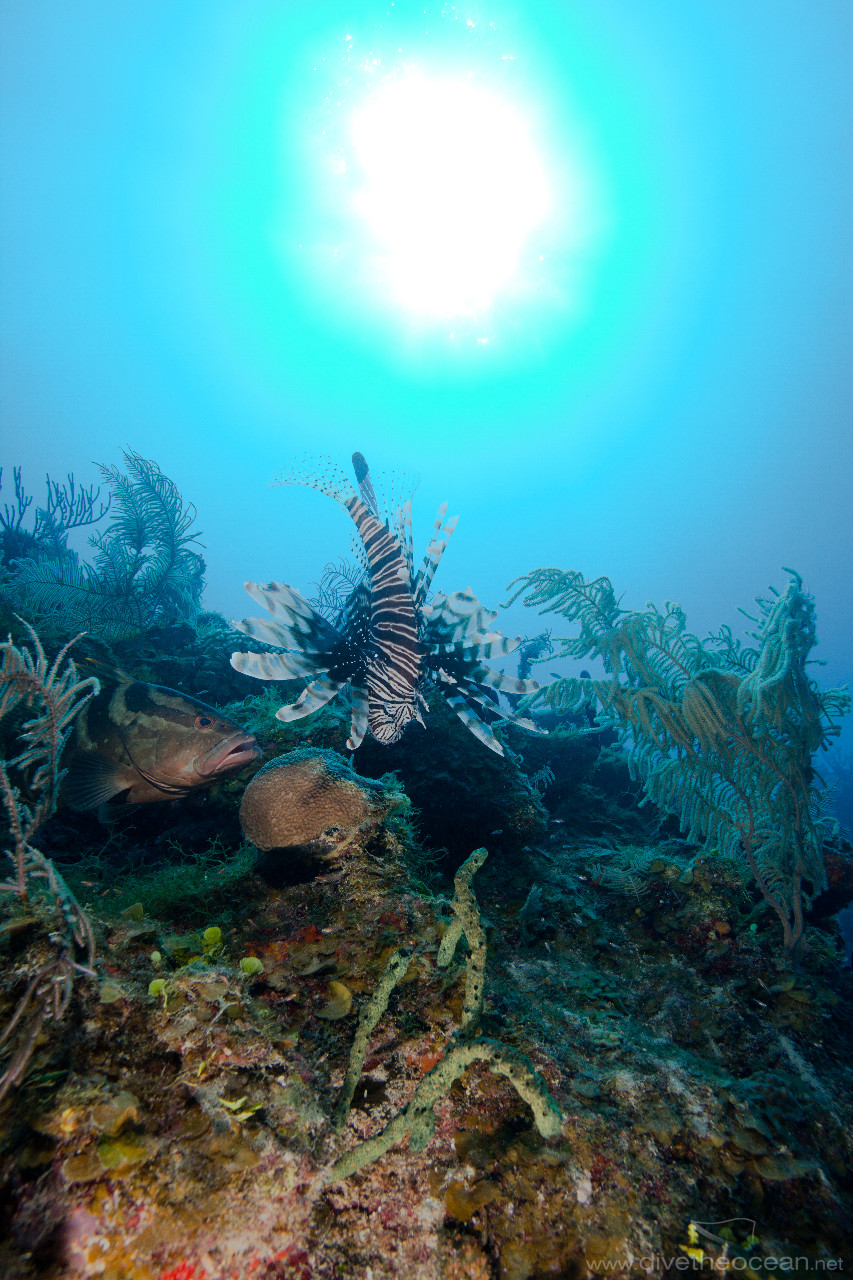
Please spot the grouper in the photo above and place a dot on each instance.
(141, 743)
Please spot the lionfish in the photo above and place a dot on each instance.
(385, 639)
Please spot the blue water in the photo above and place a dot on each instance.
(663, 399)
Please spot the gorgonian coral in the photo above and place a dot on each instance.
(40, 986)
(144, 572)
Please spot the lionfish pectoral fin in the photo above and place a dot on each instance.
(469, 693)
(295, 624)
(460, 618)
(506, 684)
(530, 725)
(318, 693)
(477, 691)
(473, 722)
(310, 641)
(358, 724)
(475, 649)
(275, 666)
(523, 722)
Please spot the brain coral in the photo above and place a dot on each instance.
(308, 797)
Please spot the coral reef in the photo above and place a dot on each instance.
(721, 733)
(246, 1039)
(191, 1130)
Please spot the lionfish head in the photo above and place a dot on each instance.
(388, 721)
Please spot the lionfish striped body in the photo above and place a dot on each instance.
(393, 663)
(385, 641)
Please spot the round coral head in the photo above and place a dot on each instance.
(308, 798)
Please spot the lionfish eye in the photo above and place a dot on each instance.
(203, 722)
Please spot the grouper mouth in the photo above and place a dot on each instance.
(232, 753)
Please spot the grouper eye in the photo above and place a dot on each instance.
(203, 722)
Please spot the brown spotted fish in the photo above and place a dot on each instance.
(141, 743)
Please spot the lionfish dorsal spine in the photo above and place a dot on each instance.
(404, 537)
(365, 484)
(441, 533)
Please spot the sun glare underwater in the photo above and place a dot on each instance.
(443, 201)
(452, 187)
(434, 193)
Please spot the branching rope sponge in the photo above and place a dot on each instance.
(467, 921)
(393, 972)
(417, 1121)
